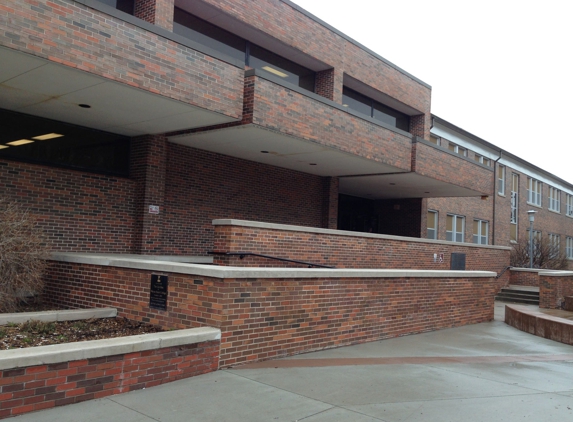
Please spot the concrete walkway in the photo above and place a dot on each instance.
(484, 372)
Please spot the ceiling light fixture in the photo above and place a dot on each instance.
(47, 136)
(20, 142)
(275, 71)
(4, 146)
(85, 105)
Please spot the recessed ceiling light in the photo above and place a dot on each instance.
(47, 136)
(4, 146)
(344, 105)
(275, 71)
(20, 142)
(393, 184)
(313, 164)
(85, 105)
(426, 192)
(264, 152)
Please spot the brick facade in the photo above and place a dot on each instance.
(554, 288)
(39, 387)
(263, 318)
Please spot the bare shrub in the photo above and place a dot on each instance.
(546, 255)
(23, 254)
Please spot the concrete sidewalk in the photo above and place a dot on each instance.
(484, 372)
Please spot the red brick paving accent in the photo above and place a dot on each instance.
(39, 387)
(345, 251)
(539, 324)
(524, 278)
(266, 318)
(554, 289)
(78, 211)
(91, 40)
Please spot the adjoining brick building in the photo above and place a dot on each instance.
(130, 125)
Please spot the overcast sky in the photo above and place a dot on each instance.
(502, 70)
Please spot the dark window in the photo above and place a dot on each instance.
(42, 141)
(218, 39)
(127, 6)
(365, 105)
(211, 36)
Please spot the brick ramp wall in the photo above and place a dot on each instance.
(265, 318)
(553, 288)
(524, 278)
(39, 387)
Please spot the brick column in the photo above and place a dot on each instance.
(420, 126)
(324, 83)
(330, 203)
(157, 12)
(148, 166)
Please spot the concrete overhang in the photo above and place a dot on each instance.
(39, 87)
(359, 176)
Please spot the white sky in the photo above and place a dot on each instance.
(500, 69)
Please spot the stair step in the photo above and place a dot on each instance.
(520, 292)
(517, 295)
(518, 300)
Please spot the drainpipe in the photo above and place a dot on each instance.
(494, 196)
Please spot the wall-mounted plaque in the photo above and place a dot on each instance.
(158, 292)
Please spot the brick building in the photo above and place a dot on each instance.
(130, 125)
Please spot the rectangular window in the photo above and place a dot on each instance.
(480, 232)
(432, 225)
(127, 6)
(554, 199)
(482, 160)
(501, 180)
(457, 149)
(366, 105)
(554, 245)
(534, 191)
(435, 139)
(569, 247)
(569, 209)
(514, 206)
(455, 226)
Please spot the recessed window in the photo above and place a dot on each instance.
(457, 149)
(554, 199)
(482, 160)
(366, 105)
(480, 231)
(127, 6)
(432, 232)
(569, 247)
(455, 226)
(569, 208)
(62, 145)
(218, 39)
(435, 139)
(534, 191)
(501, 180)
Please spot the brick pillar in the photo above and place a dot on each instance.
(330, 203)
(420, 126)
(324, 84)
(157, 12)
(148, 166)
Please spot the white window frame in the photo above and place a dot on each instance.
(555, 243)
(435, 228)
(501, 180)
(514, 205)
(569, 205)
(482, 160)
(458, 149)
(569, 247)
(482, 235)
(434, 139)
(458, 228)
(554, 199)
(534, 189)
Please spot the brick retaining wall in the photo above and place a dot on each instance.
(554, 287)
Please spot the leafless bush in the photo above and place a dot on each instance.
(23, 255)
(545, 255)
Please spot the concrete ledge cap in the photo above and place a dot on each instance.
(287, 227)
(57, 353)
(262, 273)
(554, 273)
(64, 315)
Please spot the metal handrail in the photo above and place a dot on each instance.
(241, 255)
(503, 272)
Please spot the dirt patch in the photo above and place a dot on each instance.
(38, 333)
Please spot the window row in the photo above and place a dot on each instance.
(458, 149)
(455, 228)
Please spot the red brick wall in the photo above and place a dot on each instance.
(202, 186)
(78, 211)
(524, 278)
(342, 251)
(90, 41)
(265, 318)
(554, 289)
(159, 12)
(39, 387)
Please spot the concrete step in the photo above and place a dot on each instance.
(518, 296)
